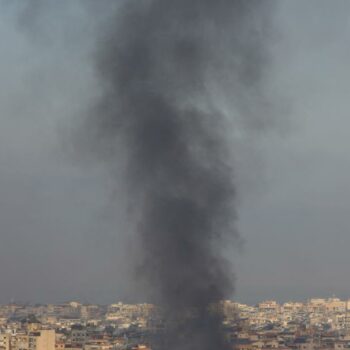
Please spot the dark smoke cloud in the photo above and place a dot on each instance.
(165, 66)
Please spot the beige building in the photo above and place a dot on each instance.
(335, 305)
(292, 306)
(38, 340)
(42, 340)
(5, 341)
(269, 306)
(20, 342)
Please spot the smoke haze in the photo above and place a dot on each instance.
(55, 245)
(167, 70)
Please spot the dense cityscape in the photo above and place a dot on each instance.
(315, 324)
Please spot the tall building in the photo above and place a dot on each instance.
(42, 340)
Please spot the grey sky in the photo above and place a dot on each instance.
(58, 239)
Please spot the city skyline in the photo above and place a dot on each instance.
(314, 325)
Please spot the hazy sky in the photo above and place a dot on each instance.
(58, 236)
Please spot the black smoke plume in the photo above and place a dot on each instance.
(165, 66)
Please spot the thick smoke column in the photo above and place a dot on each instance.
(163, 66)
